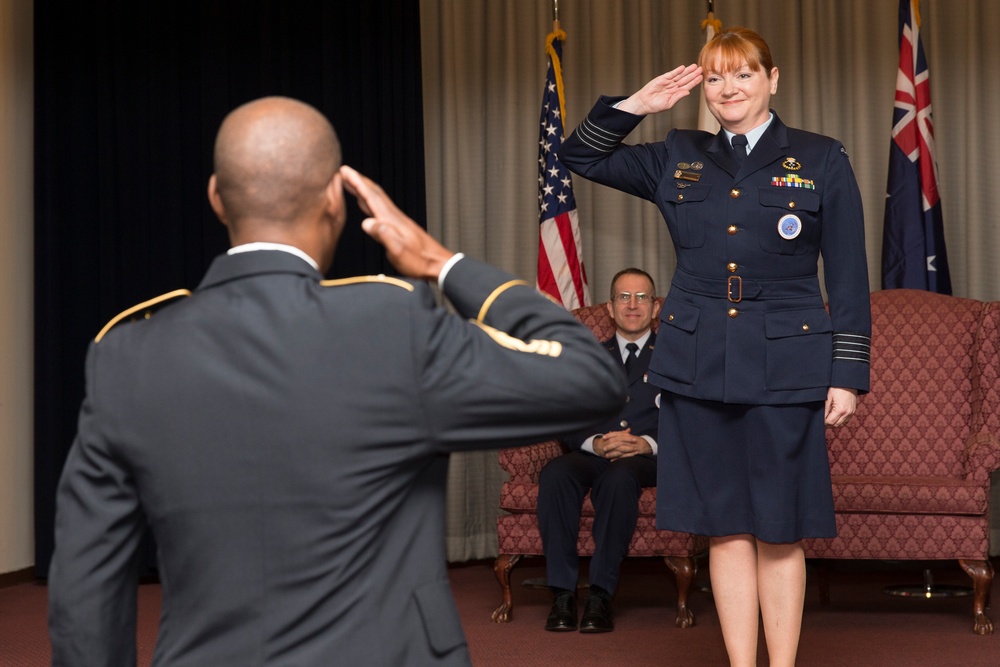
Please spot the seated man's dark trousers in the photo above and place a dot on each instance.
(615, 487)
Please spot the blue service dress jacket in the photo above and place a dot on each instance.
(286, 439)
(641, 412)
(744, 321)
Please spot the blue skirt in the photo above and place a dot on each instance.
(727, 469)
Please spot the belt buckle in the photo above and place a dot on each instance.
(739, 286)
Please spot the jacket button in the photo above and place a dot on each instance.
(733, 312)
(734, 193)
(623, 423)
(670, 318)
(805, 327)
(732, 230)
(791, 204)
(732, 266)
(680, 197)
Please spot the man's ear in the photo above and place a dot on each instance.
(611, 310)
(216, 201)
(335, 204)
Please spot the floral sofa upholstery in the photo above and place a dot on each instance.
(911, 472)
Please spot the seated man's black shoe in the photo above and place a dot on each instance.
(597, 613)
(562, 617)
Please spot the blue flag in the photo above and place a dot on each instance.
(913, 252)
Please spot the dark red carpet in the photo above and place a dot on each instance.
(861, 626)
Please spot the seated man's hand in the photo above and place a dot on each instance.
(410, 249)
(621, 444)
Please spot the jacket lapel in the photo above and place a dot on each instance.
(772, 145)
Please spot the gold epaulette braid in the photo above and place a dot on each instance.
(356, 280)
(146, 307)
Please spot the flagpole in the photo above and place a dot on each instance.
(711, 26)
(561, 273)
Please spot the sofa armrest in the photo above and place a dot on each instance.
(525, 463)
(982, 456)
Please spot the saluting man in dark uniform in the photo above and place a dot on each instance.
(286, 437)
(750, 362)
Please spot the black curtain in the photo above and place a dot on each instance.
(128, 97)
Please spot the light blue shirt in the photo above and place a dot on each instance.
(753, 135)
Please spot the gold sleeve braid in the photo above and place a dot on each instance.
(493, 297)
(547, 348)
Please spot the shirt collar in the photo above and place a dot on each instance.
(753, 135)
(267, 245)
(640, 341)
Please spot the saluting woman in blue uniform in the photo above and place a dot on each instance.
(751, 364)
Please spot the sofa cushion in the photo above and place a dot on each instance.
(518, 534)
(874, 536)
(523, 497)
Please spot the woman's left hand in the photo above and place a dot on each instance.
(840, 405)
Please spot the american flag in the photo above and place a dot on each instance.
(561, 273)
(913, 250)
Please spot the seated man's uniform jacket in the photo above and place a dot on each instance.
(641, 412)
(287, 441)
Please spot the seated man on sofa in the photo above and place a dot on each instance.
(614, 460)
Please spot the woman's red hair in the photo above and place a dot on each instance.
(731, 48)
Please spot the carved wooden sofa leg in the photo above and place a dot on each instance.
(981, 572)
(684, 568)
(501, 568)
(822, 571)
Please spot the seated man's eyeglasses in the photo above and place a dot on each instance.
(640, 297)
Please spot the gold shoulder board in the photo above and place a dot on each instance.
(356, 280)
(146, 306)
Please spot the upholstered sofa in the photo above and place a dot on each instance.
(911, 472)
(517, 529)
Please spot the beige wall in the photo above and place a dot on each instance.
(17, 544)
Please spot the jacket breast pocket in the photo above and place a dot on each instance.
(793, 228)
(799, 349)
(685, 213)
(678, 334)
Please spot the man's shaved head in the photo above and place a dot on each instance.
(274, 158)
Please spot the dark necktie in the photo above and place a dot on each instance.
(631, 358)
(740, 148)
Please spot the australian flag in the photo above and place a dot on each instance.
(561, 273)
(913, 251)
